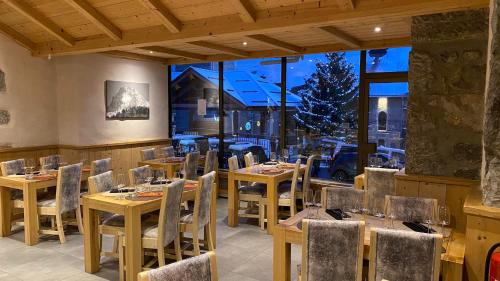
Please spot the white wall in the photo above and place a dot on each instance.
(81, 100)
(30, 97)
(62, 101)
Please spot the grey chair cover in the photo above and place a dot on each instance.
(344, 198)
(168, 151)
(207, 183)
(192, 269)
(103, 182)
(171, 210)
(411, 208)
(211, 161)
(191, 165)
(379, 183)
(100, 166)
(50, 162)
(148, 154)
(12, 167)
(140, 174)
(68, 189)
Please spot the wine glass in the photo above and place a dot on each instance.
(286, 155)
(390, 216)
(444, 218)
(272, 158)
(429, 220)
(160, 175)
(29, 168)
(121, 181)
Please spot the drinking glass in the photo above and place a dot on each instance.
(29, 168)
(160, 175)
(273, 157)
(390, 216)
(148, 183)
(429, 221)
(120, 181)
(444, 218)
(286, 155)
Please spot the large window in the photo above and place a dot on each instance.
(252, 100)
(194, 96)
(324, 120)
(341, 106)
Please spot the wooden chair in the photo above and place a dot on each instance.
(203, 145)
(50, 162)
(200, 218)
(404, 255)
(111, 224)
(138, 175)
(411, 208)
(167, 151)
(100, 166)
(252, 194)
(333, 249)
(67, 200)
(200, 268)
(249, 161)
(344, 198)
(148, 154)
(212, 164)
(287, 196)
(13, 167)
(158, 236)
(379, 182)
(306, 179)
(191, 166)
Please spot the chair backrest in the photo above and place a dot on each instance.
(249, 159)
(306, 182)
(50, 162)
(138, 175)
(168, 222)
(68, 188)
(332, 250)
(295, 178)
(199, 268)
(100, 166)
(344, 198)
(404, 255)
(203, 145)
(203, 199)
(411, 208)
(211, 162)
(168, 151)
(12, 167)
(101, 183)
(191, 165)
(234, 165)
(379, 183)
(147, 154)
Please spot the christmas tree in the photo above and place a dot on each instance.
(329, 97)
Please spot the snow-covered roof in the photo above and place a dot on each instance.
(249, 89)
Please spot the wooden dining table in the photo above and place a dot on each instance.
(131, 209)
(168, 165)
(289, 232)
(29, 189)
(252, 174)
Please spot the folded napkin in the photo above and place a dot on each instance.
(418, 227)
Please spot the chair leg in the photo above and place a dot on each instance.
(115, 244)
(121, 257)
(78, 215)
(60, 228)
(209, 239)
(52, 222)
(262, 215)
(161, 256)
(178, 251)
(196, 242)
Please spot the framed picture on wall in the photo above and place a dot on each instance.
(127, 100)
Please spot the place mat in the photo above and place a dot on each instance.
(190, 186)
(150, 194)
(44, 177)
(86, 170)
(287, 166)
(272, 171)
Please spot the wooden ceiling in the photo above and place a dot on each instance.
(186, 31)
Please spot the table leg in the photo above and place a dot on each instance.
(170, 170)
(232, 201)
(272, 205)
(133, 243)
(5, 211)
(451, 271)
(281, 256)
(91, 239)
(30, 216)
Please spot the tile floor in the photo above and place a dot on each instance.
(244, 253)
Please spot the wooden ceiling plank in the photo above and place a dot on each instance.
(41, 20)
(138, 57)
(174, 52)
(245, 10)
(18, 37)
(97, 18)
(221, 48)
(281, 20)
(341, 36)
(346, 4)
(164, 14)
(276, 43)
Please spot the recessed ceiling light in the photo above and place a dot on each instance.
(377, 29)
(245, 43)
(151, 52)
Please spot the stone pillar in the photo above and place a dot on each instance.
(445, 104)
(490, 176)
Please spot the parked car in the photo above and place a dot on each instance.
(343, 168)
(240, 149)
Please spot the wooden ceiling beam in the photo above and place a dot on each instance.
(164, 14)
(273, 21)
(346, 4)
(18, 37)
(174, 52)
(138, 57)
(245, 10)
(96, 18)
(341, 36)
(41, 20)
(221, 48)
(276, 43)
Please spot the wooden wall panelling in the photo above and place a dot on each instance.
(407, 188)
(433, 190)
(455, 199)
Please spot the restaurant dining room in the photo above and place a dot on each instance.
(250, 140)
